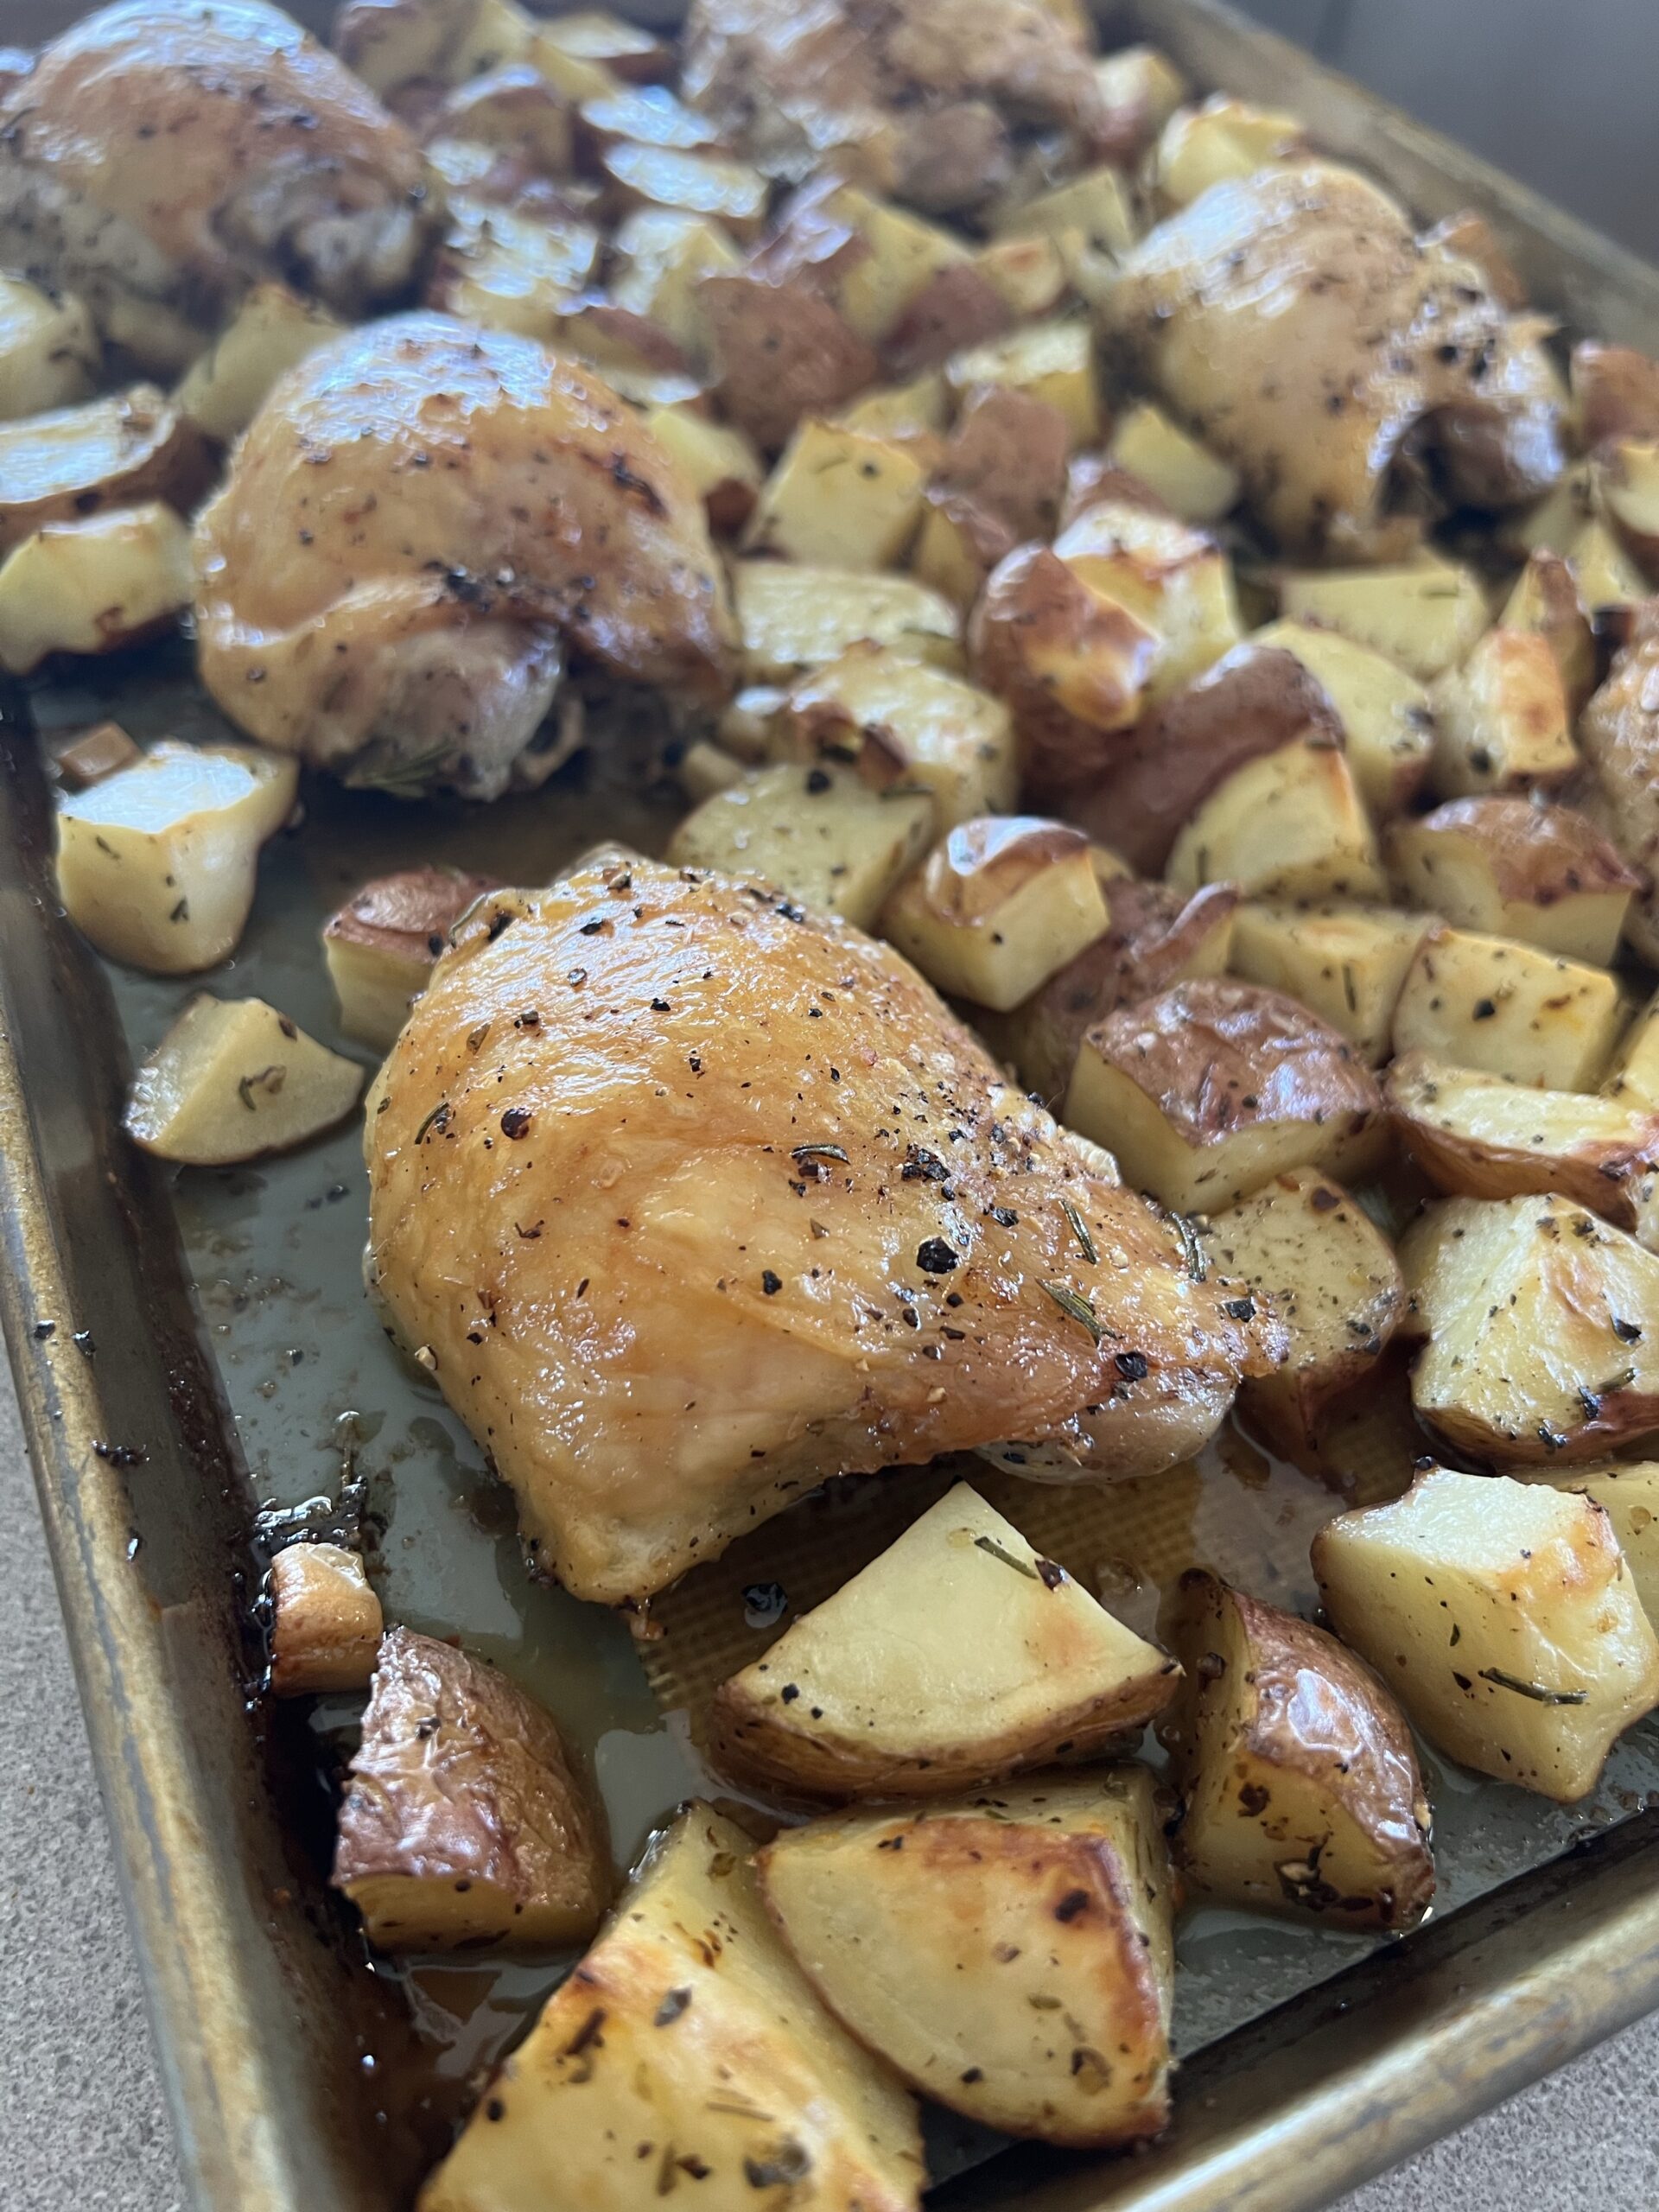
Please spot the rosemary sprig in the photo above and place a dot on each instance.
(1074, 1304)
(1080, 1230)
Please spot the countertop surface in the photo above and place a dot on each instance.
(82, 2123)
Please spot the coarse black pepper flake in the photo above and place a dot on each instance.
(772, 1284)
(922, 1166)
(935, 1258)
(1239, 1309)
(515, 1123)
(1131, 1365)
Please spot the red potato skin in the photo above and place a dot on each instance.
(783, 351)
(957, 307)
(1007, 456)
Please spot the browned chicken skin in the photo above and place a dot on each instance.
(916, 94)
(161, 156)
(696, 1199)
(1360, 378)
(420, 519)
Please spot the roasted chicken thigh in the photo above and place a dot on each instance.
(163, 154)
(1361, 379)
(690, 1200)
(419, 522)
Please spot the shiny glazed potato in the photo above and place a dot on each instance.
(1629, 1495)
(905, 722)
(1154, 937)
(1289, 825)
(234, 1079)
(326, 1623)
(510, 271)
(713, 186)
(463, 1823)
(1482, 1136)
(381, 944)
(1175, 578)
(1486, 1002)
(838, 497)
(689, 2027)
(272, 330)
(793, 617)
(1502, 1617)
(1300, 1790)
(901, 251)
(157, 862)
(93, 587)
(1501, 720)
(1344, 964)
(1012, 1958)
(997, 907)
(820, 833)
(959, 1656)
(1387, 728)
(1425, 615)
(1541, 1325)
(1307, 1250)
(1503, 866)
(1208, 1090)
(49, 350)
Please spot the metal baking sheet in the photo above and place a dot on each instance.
(190, 1347)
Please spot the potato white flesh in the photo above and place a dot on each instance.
(1553, 522)
(1509, 867)
(1347, 963)
(1211, 1089)
(1289, 824)
(996, 909)
(821, 834)
(722, 467)
(1202, 146)
(1302, 1245)
(1191, 481)
(326, 1623)
(93, 587)
(905, 722)
(1482, 1136)
(49, 349)
(1629, 1495)
(1300, 1790)
(1489, 1003)
(1627, 482)
(124, 450)
(1092, 215)
(234, 1079)
(1633, 1073)
(511, 271)
(1546, 601)
(382, 944)
(665, 255)
(463, 1822)
(609, 43)
(1425, 615)
(704, 769)
(1542, 1330)
(901, 250)
(1143, 82)
(793, 616)
(1029, 273)
(1502, 1617)
(1054, 361)
(901, 411)
(1011, 1959)
(1605, 575)
(1501, 720)
(959, 1656)
(1174, 578)
(688, 2028)
(272, 330)
(713, 186)
(1388, 727)
(156, 863)
(839, 497)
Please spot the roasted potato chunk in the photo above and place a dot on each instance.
(782, 351)
(121, 451)
(959, 1656)
(905, 722)
(1633, 1073)
(665, 255)
(1303, 1245)
(1488, 1002)
(839, 497)
(792, 617)
(958, 545)
(1193, 482)
(1289, 825)
(1545, 602)
(1502, 1617)
(1626, 476)
(1006, 453)
(1155, 937)
(690, 2028)
(1225, 137)
(1618, 732)
(93, 587)
(1300, 1790)
(1508, 868)
(996, 908)
(234, 1079)
(1345, 964)
(272, 330)
(326, 1623)
(1387, 726)
(1425, 614)
(721, 465)
(1483, 1136)
(1012, 1960)
(1173, 577)
(820, 833)
(1213, 1088)
(1607, 579)
(512, 271)
(463, 1822)
(1502, 721)
(157, 862)
(1542, 1330)
(381, 945)
(1054, 361)
(605, 41)
(49, 349)
(1629, 1495)
(713, 186)
(901, 251)
(1617, 392)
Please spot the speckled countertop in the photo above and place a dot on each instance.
(82, 2123)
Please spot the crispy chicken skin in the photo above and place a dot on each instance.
(165, 153)
(916, 94)
(1360, 378)
(419, 521)
(695, 1199)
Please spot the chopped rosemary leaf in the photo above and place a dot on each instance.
(990, 1544)
(1074, 1303)
(1536, 1691)
(1080, 1230)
